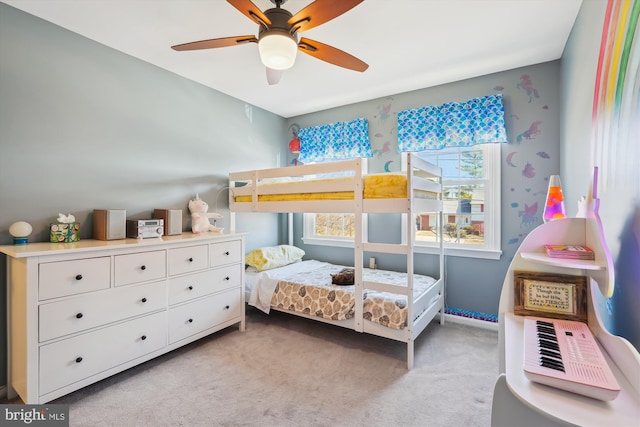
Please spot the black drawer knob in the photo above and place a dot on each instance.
(79, 316)
(226, 307)
(227, 278)
(79, 277)
(78, 359)
(226, 253)
(144, 337)
(190, 320)
(190, 259)
(143, 300)
(144, 267)
(190, 287)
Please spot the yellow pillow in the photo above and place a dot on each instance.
(273, 256)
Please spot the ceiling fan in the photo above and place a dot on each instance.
(278, 35)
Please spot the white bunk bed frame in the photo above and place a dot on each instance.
(420, 175)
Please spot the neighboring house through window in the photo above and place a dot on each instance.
(471, 203)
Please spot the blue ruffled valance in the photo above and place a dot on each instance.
(455, 124)
(335, 141)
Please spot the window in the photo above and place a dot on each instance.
(332, 229)
(471, 203)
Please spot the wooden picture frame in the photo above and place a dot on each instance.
(558, 296)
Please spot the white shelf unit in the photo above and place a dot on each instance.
(519, 402)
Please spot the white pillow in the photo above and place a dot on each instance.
(273, 256)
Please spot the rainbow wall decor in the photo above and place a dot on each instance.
(615, 136)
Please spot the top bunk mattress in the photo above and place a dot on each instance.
(375, 186)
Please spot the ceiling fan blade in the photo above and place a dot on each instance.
(319, 12)
(273, 76)
(213, 43)
(330, 54)
(250, 10)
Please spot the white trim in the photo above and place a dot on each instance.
(492, 220)
(469, 252)
(328, 242)
(492, 243)
(468, 321)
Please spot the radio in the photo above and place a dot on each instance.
(145, 228)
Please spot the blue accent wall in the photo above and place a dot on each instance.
(532, 116)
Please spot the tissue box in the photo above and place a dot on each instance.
(65, 233)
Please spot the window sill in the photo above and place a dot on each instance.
(328, 242)
(457, 252)
(460, 252)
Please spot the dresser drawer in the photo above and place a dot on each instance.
(139, 267)
(71, 360)
(224, 253)
(200, 315)
(77, 314)
(196, 285)
(188, 260)
(58, 279)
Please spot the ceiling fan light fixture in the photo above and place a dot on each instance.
(277, 50)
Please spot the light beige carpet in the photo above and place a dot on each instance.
(288, 371)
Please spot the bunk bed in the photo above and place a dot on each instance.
(342, 187)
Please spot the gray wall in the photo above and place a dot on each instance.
(620, 202)
(532, 115)
(83, 126)
(74, 114)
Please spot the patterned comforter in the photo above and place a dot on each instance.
(305, 287)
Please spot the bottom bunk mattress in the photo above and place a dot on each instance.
(305, 287)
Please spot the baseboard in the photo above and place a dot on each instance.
(477, 323)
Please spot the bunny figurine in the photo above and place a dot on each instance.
(200, 216)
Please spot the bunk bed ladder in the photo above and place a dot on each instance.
(358, 246)
(411, 240)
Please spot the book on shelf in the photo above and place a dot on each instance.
(570, 252)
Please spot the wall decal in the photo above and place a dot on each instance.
(531, 133)
(543, 155)
(529, 171)
(386, 166)
(615, 125)
(384, 110)
(385, 149)
(529, 215)
(527, 84)
(510, 159)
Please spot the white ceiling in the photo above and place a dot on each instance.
(408, 44)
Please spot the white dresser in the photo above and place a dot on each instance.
(80, 312)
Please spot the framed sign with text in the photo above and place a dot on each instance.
(559, 296)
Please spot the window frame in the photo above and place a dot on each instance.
(491, 249)
(308, 226)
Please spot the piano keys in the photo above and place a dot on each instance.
(564, 354)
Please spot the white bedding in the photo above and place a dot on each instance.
(306, 287)
(261, 285)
